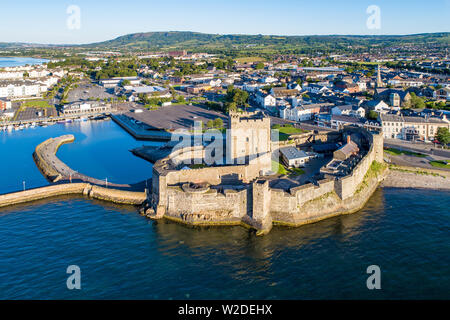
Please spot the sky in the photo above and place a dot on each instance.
(50, 21)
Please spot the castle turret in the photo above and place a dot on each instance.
(260, 216)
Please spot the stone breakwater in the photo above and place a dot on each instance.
(417, 178)
(47, 162)
(55, 170)
(85, 189)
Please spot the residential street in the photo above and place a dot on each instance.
(421, 147)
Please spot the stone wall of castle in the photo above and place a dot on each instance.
(206, 207)
(346, 186)
(256, 204)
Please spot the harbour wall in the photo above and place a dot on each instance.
(86, 189)
(48, 148)
(138, 132)
(55, 170)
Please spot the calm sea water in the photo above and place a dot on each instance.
(19, 61)
(124, 255)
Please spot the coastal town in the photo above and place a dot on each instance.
(404, 95)
(298, 131)
(224, 160)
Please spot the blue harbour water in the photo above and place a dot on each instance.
(19, 61)
(124, 255)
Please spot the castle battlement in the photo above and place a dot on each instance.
(242, 194)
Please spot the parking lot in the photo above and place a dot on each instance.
(87, 91)
(177, 116)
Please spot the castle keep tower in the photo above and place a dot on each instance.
(248, 136)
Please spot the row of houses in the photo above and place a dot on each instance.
(21, 88)
(411, 127)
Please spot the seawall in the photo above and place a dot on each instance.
(138, 132)
(86, 189)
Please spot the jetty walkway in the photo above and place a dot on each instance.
(55, 170)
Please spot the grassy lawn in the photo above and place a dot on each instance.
(441, 164)
(397, 152)
(35, 104)
(287, 130)
(278, 168)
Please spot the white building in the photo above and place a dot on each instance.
(349, 110)
(265, 100)
(293, 157)
(11, 75)
(19, 88)
(38, 73)
(411, 128)
(442, 94)
(81, 108)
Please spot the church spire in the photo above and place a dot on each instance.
(379, 82)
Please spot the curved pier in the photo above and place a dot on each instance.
(55, 170)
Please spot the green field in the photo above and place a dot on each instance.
(441, 164)
(398, 152)
(250, 59)
(41, 104)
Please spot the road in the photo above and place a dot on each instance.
(426, 148)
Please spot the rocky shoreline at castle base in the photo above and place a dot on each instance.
(417, 178)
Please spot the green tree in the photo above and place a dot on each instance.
(236, 96)
(443, 136)
(373, 115)
(417, 102)
(218, 123)
(230, 106)
(259, 66)
(441, 105)
(181, 99)
(210, 124)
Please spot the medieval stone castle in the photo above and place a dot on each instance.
(237, 191)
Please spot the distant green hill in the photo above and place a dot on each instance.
(194, 41)
(239, 44)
